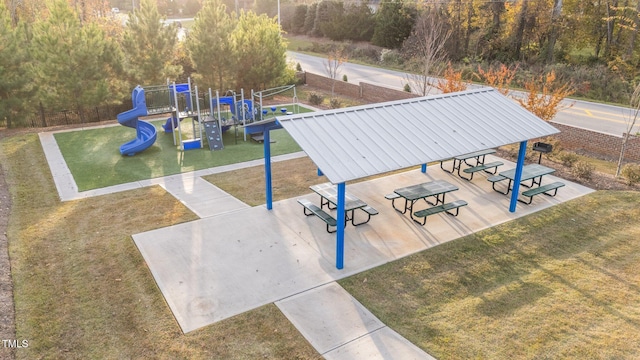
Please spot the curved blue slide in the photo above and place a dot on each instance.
(146, 133)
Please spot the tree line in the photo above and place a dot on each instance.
(592, 44)
(76, 55)
(505, 30)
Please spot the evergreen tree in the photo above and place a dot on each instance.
(14, 79)
(359, 22)
(310, 18)
(297, 23)
(259, 52)
(321, 17)
(73, 63)
(394, 22)
(330, 21)
(209, 46)
(149, 46)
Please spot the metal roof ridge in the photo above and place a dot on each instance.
(386, 104)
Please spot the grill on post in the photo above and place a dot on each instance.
(542, 148)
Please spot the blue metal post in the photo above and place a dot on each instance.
(340, 227)
(516, 180)
(424, 168)
(267, 169)
(320, 172)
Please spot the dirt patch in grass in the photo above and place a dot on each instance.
(7, 313)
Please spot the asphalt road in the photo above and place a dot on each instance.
(603, 118)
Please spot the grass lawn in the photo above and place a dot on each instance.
(93, 155)
(563, 283)
(296, 43)
(83, 291)
(560, 283)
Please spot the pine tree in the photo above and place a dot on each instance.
(12, 68)
(209, 46)
(394, 22)
(259, 52)
(73, 63)
(149, 46)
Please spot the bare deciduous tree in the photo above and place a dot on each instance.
(333, 64)
(631, 122)
(426, 48)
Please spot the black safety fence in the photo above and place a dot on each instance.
(40, 117)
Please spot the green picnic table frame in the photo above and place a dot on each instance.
(479, 157)
(533, 172)
(411, 194)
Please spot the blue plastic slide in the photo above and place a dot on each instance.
(146, 133)
(168, 128)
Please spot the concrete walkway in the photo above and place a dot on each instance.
(339, 327)
(237, 258)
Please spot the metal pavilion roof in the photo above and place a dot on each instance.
(352, 143)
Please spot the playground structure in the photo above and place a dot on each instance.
(211, 118)
(263, 113)
(261, 95)
(145, 132)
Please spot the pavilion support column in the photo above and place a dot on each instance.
(267, 170)
(516, 180)
(320, 172)
(340, 216)
(423, 169)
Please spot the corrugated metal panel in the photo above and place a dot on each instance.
(352, 143)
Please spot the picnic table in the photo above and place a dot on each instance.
(533, 172)
(479, 157)
(329, 197)
(437, 189)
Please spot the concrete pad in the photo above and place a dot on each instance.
(391, 235)
(328, 317)
(199, 195)
(65, 184)
(217, 267)
(214, 268)
(383, 344)
(339, 327)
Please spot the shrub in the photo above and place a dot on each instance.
(631, 173)
(407, 88)
(315, 98)
(567, 158)
(390, 57)
(344, 78)
(335, 103)
(582, 170)
(555, 143)
(298, 67)
(367, 53)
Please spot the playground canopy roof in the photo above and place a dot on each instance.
(356, 142)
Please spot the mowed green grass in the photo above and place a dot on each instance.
(93, 155)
